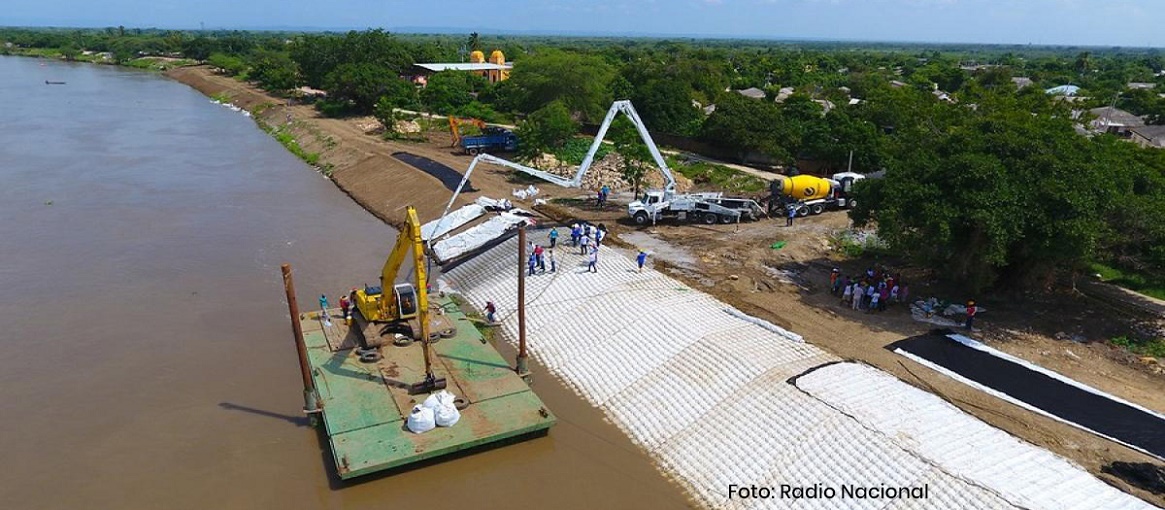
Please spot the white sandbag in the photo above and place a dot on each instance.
(444, 410)
(446, 413)
(421, 420)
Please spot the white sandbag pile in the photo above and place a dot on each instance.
(438, 410)
(421, 420)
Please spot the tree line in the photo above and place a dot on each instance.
(986, 181)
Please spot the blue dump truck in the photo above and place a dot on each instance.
(491, 139)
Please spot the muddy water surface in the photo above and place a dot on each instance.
(145, 353)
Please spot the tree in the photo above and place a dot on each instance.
(361, 85)
(666, 106)
(636, 157)
(274, 69)
(580, 82)
(400, 94)
(474, 42)
(198, 48)
(230, 65)
(447, 91)
(70, 51)
(745, 125)
(547, 128)
(992, 197)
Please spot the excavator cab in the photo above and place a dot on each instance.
(406, 301)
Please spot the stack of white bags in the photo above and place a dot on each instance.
(436, 411)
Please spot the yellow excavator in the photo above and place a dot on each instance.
(403, 307)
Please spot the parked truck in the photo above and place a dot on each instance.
(814, 195)
(490, 139)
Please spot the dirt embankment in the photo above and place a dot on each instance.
(736, 263)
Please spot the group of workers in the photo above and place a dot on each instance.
(872, 291)
(877, 289)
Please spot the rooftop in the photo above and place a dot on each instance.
(1107, 116)
(465, 66)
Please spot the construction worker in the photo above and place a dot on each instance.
(971, 311)
(553, 237)
(490, 312)
(539, 255)
(593, 260)
(553, 263)
(641, 259)
(324, 305)
(344, 309)
(584, 243)
(792, 214)
(834, 281)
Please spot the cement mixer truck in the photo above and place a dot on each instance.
(814, 195)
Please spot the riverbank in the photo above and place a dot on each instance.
(738, 266)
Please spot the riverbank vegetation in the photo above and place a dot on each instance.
(988, 179)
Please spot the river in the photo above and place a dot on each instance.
(145, 354)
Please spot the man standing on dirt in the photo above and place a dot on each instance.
(857, 296)
(538, 254)
(971, 310)
(593, 260)
(606, 191)
(641, 259)
(553, 263)
(789, 217)
(553, 237)
(583, 243)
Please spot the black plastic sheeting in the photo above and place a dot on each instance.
(448, 176)
(1147, 476)
(1089, 410)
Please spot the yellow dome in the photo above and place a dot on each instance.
(477, 57)
(497, 57)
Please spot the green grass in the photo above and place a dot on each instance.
(221, 97)
(1153, 347)
(717, 176)
(1144, 284)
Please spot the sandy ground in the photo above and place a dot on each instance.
(788, 286)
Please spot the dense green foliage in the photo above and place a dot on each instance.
(546, 129)
(985, 181)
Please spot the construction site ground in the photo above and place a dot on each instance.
(1062, 331)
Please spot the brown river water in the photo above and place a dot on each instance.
(146, 358)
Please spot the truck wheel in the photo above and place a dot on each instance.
(641, 218)
(472, 151)
(709, 218)
(816, 208)
(802, 211)
(851, 203)
(726, 219)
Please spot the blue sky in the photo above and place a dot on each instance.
(1071, 22)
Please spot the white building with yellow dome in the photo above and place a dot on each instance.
(495, 69)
